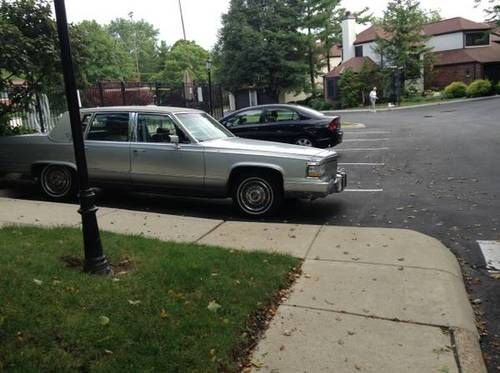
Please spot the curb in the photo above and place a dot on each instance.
(468, 352)
(331, 112)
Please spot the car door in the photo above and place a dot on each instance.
(107, 147)
(157, 162)
(246, 123)
(280, 124)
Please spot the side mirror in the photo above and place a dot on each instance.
(174, 139)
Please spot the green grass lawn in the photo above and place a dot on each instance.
(153, 317)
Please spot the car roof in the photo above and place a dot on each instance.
(298, 108)
(144, 108)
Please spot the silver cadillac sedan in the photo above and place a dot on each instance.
(176, 151)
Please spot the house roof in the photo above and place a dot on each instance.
(445, 26)
(336, 51)
(487, 54)
(354, 63)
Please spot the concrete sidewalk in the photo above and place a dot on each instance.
(369, 299)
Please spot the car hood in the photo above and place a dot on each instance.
(269, 148)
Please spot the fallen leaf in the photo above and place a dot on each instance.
(213, 306)
(163, 314)
(103, 320)
(108, 352)
(38, 282)
(134, 302)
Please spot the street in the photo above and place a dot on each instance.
(431, 169)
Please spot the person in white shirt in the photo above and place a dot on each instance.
(373, 98)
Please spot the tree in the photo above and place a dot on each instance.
(349, 87)
(404, 43)
(492, 11)
(29, 52)
(259, 45)
(322, 24)
(184, 55)
(140, 40)
(100, 56)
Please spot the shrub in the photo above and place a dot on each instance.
(497, 88)
(319, 104)
(455, 90)
(479, 88)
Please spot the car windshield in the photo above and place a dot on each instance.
(203, 127)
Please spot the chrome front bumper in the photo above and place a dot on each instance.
(314, 188)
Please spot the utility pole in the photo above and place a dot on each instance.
(182, 20)
(95, 260)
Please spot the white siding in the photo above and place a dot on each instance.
(368, 51)
(446, 42)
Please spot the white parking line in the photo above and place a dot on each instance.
(363, 132)
(361, 149)
(363, 190)
(491, 253)
(362, 164)
(356, 140)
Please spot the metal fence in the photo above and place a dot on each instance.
(45, 109)
(203, 97)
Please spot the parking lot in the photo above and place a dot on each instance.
(432, 169)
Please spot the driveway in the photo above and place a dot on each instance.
(434, 169)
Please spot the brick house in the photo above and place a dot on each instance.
(463, 50)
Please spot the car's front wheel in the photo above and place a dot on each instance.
(58, 182)
(258, 194)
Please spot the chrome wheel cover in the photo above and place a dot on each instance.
(56, 181)
(255, 196)
(304, 141)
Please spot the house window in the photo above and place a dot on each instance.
(477, 38)
(358, 51)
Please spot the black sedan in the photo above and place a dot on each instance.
(285, 123)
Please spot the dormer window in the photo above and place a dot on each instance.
(477, 38)
(358, 51)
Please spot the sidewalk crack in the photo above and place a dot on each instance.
(312, 242)
(210, 231)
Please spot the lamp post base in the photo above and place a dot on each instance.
(97, 266)
(95, 260)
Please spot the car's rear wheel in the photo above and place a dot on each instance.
(258, 194)
(304, 141)
(58, 182)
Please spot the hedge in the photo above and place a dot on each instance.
(455, 90)
(479, 88)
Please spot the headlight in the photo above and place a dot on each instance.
(315, 170)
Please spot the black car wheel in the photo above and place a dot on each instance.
(304, 141)
(57, 182)
(257, 195)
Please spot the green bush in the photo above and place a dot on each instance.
(479, 88)
(497, 88)
(319, 104)
(455, 90)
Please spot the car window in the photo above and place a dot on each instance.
(158, 128)
(109, 127)
(280, 115)
(245, 117)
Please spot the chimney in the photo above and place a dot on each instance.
(348, 36)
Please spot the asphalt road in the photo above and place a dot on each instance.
(434, 169)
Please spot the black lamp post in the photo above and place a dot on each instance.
(209, 71)
(95, 260)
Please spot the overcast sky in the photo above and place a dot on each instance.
(202, 18)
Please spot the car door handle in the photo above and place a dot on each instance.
(139, 151)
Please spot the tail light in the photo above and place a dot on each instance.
(334, 124)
